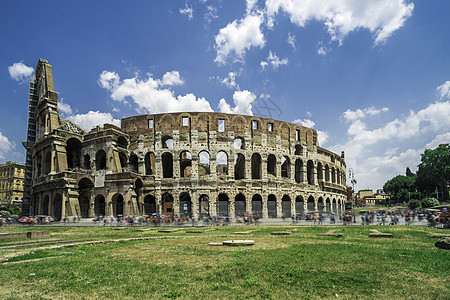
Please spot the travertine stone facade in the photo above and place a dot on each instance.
(191, 164)
(11, 182)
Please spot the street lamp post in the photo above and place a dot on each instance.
(353, 181)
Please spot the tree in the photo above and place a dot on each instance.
(409, 173)
(429, 202)
(399, 187)
(434, 169)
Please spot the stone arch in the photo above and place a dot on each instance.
(319, 171)
(203, 205)
(285, 167)
(204, 165)
(100, 205)
(310, 172)
(238, 124)
(257, 205)
(167, 164)
(299, 205)
(73, 153)
(239, 166)
(256, 166)
(100, 160)
(286, 206)
(185, 205)
(223, 205)
(239, 205)
(167, 204)
(118, 203)
(320, 205)
(333, 175)
(122, 142)
(298, 150)
(123, 161)
(47, 163)
(328, 205)
(334, 205)
(149, 162)
(298, 170)
(272, 165)
(272, 206)
(327, 173)
(45, 205)
(149, 205)
(310, 204)
(57, 207)
(85, 186)
(87, 161)
(133, 163)
(222, 163)
(185, 164)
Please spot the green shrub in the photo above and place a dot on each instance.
(429, 202)
(414, 203)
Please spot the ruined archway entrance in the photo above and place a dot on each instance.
(149, 205)
(299, 208)
(257, 205)
(223, 204)
(118, 204)
(272, 206)
(203, 205)
(100, 205)
(57, 207)
(310, 205)
(85, 186)
(286, 206)
(167, 201)
(239, 205)
(185, 205)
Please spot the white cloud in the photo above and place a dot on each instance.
(322, 50)
(211, 13)
(275, 61)
(323, 137)
(93, 118)
(250, 5)
(362, 113)
(444, 90)
(64, 108)
(149, 94)
(304, 122)
(263, 64)
(187, 11)
(291, 41)
(381, 17)
(237, 37)
(243, 103)
(19, 71)
(6, 146)
(230, 80)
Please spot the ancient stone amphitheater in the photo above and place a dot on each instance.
(185, 164)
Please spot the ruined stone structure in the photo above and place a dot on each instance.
(192, 164)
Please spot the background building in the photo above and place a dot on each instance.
(11, 182)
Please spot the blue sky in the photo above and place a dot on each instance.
(373, 77)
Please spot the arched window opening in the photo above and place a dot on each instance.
(333, 175)
(239, 166)
(133, 163)
(118, 204)
(85, 187)
(123, 161)
(100, 205)
(122, 142)
(285, 167)
(328, 205)
(239, 205)
(298, 150)
(150, 163)
(310, 171)
(73, 152)
(100, 160)
(185, 164)
(167, 164)
(239, 143)
(319, 171)
(203, 205)
(320, 205)
(222, 163)
(57, 207)
(167, 202)
(272, 206)
(47, 163)
(167, 142)
(310, 204)
(185, 205)
(257, 205)
(298, 170)
(87, 162)
(149, 205)
(286, 206)
(223, 206)
(271, 165)
(299, 205)
(204, 163)
(327, 173)
(45, 205)
(256, 166)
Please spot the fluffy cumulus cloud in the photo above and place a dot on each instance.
(93, 118)
(6, 146)
(64, 108)
(322, 135)
(381, 153)
(19, 71)
(237, 37)
(274, 61)
(444, 90)
(187, 11)
(242, 103)
(381, 17)
(230, 80)
(152, 95)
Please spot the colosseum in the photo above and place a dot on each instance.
(177, 164)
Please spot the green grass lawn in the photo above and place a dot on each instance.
(301, 265)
